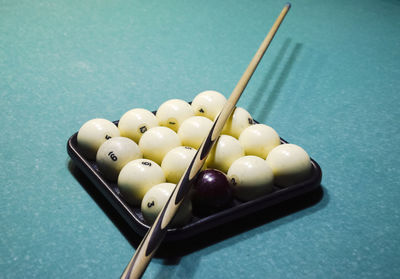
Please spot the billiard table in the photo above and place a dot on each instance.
(329, 82)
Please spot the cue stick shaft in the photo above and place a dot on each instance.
(156, 233)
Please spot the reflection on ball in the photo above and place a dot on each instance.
(134, 123)
(176, 162)
(155, 199)
(114, 154)
(259, 140)
(137, 177)
(224, 152)
(250, 178)
(239, 120)
(156, 143)
(290, 164)
(173, 112)
(93, 133)
(194, 130)
(208, 104)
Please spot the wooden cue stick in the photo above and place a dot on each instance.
(155, 235)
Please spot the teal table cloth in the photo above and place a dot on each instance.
(329, 82)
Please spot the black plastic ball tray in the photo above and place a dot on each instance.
(133, 215)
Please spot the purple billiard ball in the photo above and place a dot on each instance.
(211, 192)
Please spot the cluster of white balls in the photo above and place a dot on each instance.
(146, 154)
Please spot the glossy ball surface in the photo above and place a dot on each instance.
(208, 104)
(114, 154)
(137, 177)
(134, 123)
(173, 112)
(93, 133)
(239, 120)
(259, 140)
(154, 201)
(156, 143)
(290, 164)
(224, 152)
(211, 192)
(176, 162)
(250, 177)
(194, 130)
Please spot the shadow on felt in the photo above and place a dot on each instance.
(171, 252)
(265, 98)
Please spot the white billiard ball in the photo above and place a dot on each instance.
(259, 140)
(156, 143)
(225, 151)
(93, 133)
(154, 201)
(194, 130)
(250, 178)
(208, 104)
(176, 162)
(137, 177)
(173, 112)
(290, 164)
(114, 154)
(239, 120)
(134, 123)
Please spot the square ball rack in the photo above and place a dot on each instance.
(133, 215)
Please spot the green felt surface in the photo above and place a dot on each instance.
(329, 83)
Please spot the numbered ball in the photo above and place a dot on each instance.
(194, 130)
(224, 152)
(211, 192)
(134, 123)
(173, 112)
(250, 177)
(290, 164)
(176, 162)
(114, 154)
(155, 199)
(137, 177)
(259, 140)
(93, 133)
(156, 143)
(208, 104)
(239, 120)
